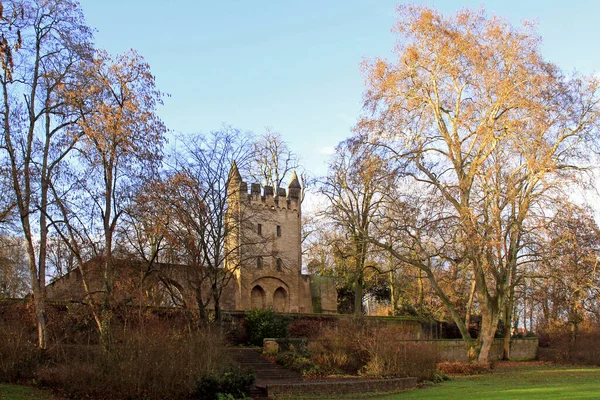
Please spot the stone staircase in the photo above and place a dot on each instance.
(266, 372)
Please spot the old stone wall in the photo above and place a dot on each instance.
(455, 350)
(449, 350)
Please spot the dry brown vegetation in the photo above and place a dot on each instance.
(152, 357)
(354, 347)
(463, 368)
(559, 344)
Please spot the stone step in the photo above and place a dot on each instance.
(265, 371)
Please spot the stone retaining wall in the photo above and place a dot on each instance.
(450, 350)
(455, 350)
(337, 387)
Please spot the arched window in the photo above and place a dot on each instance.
(259, 262)
(257, 298)
(280, 300)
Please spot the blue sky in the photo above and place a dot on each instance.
(295, 65)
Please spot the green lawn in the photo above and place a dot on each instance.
(15, 392)
(527, 382)
(514, 383)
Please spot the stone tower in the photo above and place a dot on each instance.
(263, 246)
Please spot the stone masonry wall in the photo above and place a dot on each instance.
(450, 350)
(455, 350)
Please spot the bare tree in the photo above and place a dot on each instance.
(121, 144)
(354, 189)
(473, 115)
(568, 273)
(204, 214)
(44, 44)
(272, 162)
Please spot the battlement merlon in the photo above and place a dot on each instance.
(266, 195)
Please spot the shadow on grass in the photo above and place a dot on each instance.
(532, 382)
(17, 392)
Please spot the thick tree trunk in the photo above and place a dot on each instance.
(217, 303)
(489, 323)
(40, 317)
(507, 340)
(358, 297)
(202, 314)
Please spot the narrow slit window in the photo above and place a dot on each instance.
(279, 264)
(259, 229)
(278, 230)
(259, 262)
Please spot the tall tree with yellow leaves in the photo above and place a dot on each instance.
(477, 120)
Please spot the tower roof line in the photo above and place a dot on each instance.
(294, 182)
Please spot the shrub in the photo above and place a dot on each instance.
(339, 348)
(19, 355)
(557, 344)
(306, 328)
(355, 347)
(462, 368)
(299, 362)
(265, 324)
(232, 383)
(400, 359)
(157, 365)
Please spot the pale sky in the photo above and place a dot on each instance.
(295, 65)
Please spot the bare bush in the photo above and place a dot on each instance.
(358, 348)
(463, 368)
(19, 355)
(558, 343)
(156, 365)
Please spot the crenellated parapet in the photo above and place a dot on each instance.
(266, 195)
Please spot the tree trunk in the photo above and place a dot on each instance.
(217, 303)
(470, 304)
(358, 295)
(508, 311)
(39, 297)
(421, 292)
(393, 295)
(201, 309)
(40, 316)
(106, 306)
(489, 323)
(104, 328)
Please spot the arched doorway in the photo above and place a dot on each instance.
(257, 297)
(280, 300)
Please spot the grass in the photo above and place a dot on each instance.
(515, 383)
(17, 392)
